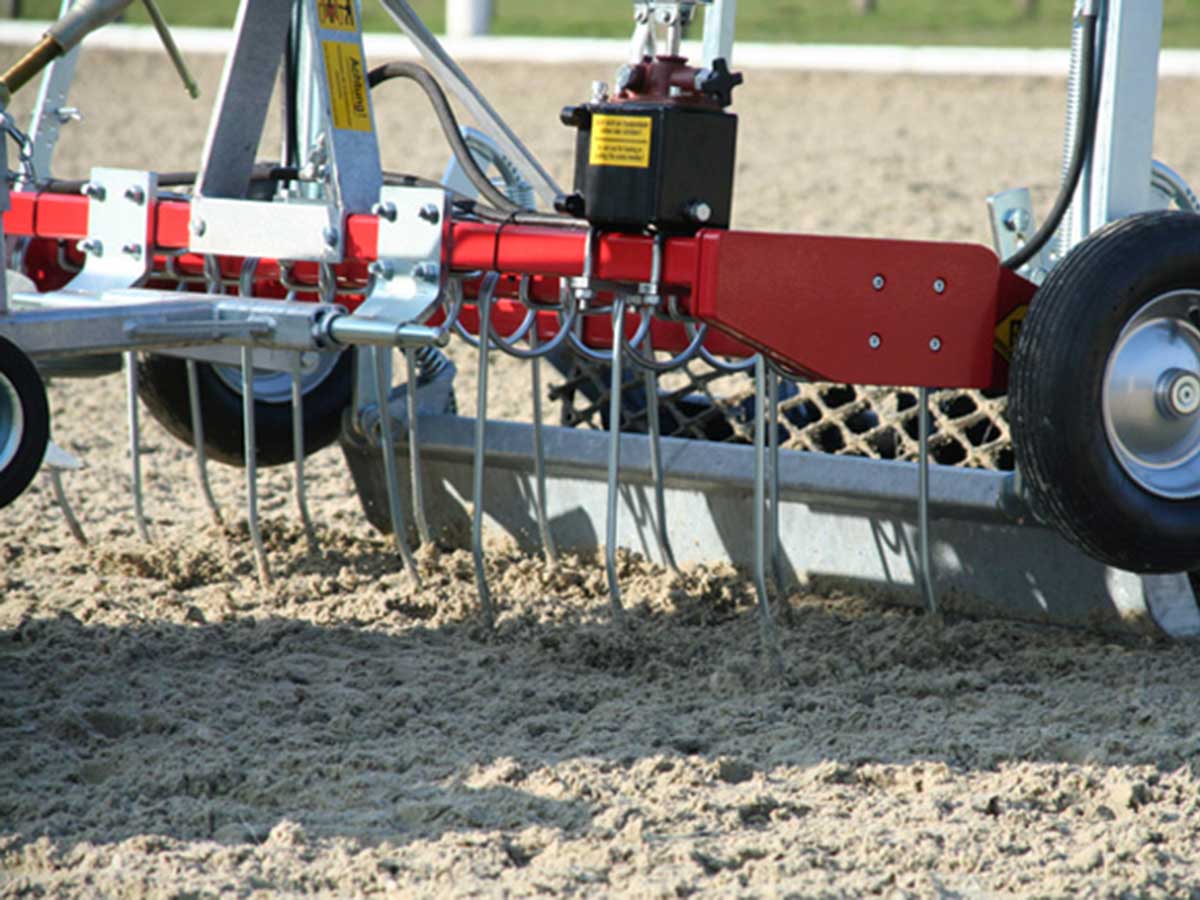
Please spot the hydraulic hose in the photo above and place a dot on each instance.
(449, 123)
(1085, 135)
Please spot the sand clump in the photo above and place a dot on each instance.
(170, 728)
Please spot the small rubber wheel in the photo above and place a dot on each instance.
(24, 422)
(327, 391)
(1104, 395)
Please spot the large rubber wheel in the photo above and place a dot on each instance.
(1104, 395)
(24, 422)
(163, 386)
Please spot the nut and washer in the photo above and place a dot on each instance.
(331, 236)
(94, 246)
(199, 226)
(134, 250)
(385, 210)
(135, 194)
(430, 213)
(874, 342)
(94, 191)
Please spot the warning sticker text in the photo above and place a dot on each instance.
(347, 77)
(621, 141)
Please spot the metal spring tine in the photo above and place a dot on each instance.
(210, 501)
(766, 623)
(391, 476)
(135, 443)
(923, 502)
(614, 463)
(310, 533)
(414, 449)
(539, 454)
(250, 451)
(60, 497)
(486, 291)
(650, 380)
(773, 458)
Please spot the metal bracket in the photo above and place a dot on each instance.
(409, 279)
(51, 112)
(1013, 224)
(303, 230)
(119, 231)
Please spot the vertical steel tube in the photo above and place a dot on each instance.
(210, 501)
(923, 502)
(310, 533)
(486, 292)
(414, 450)
(135, 443)
(773, 458)
(539, 455)
(390, 475)
(650, 381)
(766, 624)
(614, 464)
(250, 450)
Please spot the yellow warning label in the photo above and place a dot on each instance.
(620, 141)
(337, 15)
(1008, 330)
(347, 78)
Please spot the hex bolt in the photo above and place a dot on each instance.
(939, 286)
(94, 246)
(700, 212)
(135, 194)
(382, 270)
(878, 282)
(935, 344)
(874, 342)
(599, 91)
(1017, 220)
(199, 226)
(430, 213)
(331, 236)
(385, 210)
(134, 250)
(94, 191)
(66, 114)
(427, 272)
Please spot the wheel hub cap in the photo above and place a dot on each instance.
(1152, 396)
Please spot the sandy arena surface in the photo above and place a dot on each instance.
(169, 728)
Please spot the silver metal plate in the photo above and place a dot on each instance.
(298, 230)
(119, 231)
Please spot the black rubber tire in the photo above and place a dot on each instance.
(163, 387)
(1069, 470)
(19, 371)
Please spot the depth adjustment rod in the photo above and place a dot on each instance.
(68, 32)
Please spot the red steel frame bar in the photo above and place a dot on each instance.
(865, 311)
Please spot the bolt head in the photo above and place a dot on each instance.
(935, 344)
(134, 250)
(331, 236)
(430, 213)
(427, 272)
(939, 286)
(878, 282)
(382, 270)
(136, 195)
(1017, 220)
(700, 212)
(874, 342)
(199, 226)
(385, 210)
(1184, 394)
(94, 191)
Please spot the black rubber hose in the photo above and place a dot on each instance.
(1085, 135)
(446, 118)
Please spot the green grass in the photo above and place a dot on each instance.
(972, 22)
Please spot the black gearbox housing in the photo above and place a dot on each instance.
(676, 178)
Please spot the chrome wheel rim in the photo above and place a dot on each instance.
(1151, 396)
(12, 422)
(276, 387)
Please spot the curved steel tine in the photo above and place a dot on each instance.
(60, 497)
(391, 476)
(539, 454)
(135, 443)
(766, 622)
(310, 533)
(650, 381)
(210, 501)
(614, 464)
(250, 451)
(486, 293)
(773, 452)
(923, 502)
(414, 449)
